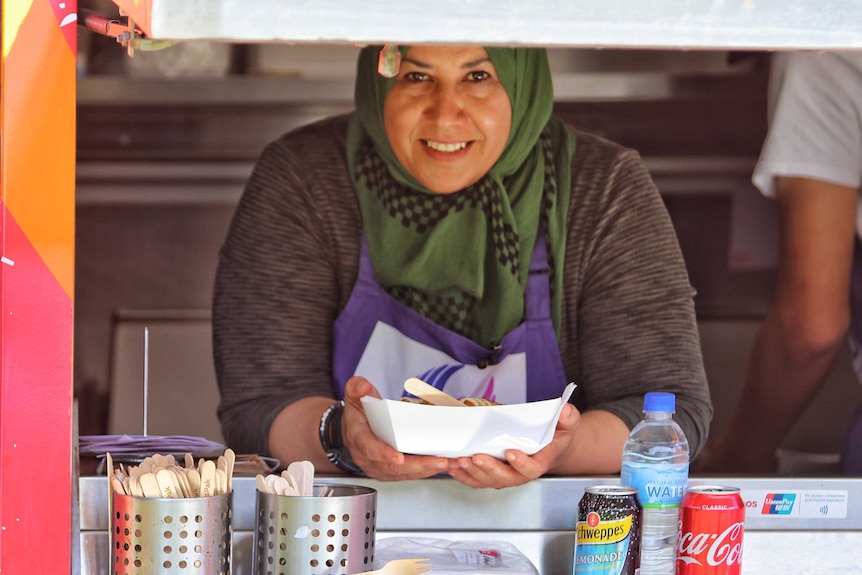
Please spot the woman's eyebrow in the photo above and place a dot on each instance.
(475, 63)
(471, 64)
(417, 63)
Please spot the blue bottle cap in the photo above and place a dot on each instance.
(660, 401)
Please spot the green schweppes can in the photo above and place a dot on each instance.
(608, 535)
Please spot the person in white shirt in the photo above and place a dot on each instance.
(811, 162)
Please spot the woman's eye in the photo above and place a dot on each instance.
(415, 76)
(479, 76)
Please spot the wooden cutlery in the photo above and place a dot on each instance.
(403, 567)
(430, 393)
(296, 480)
(160, 476)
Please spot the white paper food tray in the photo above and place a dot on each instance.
(465, 431)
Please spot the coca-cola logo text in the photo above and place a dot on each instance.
(724, 548)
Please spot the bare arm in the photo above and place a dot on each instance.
(601, 436)
(804, 329)
(294, 436)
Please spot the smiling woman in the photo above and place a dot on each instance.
(451, 229)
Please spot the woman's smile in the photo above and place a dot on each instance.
(445, 147)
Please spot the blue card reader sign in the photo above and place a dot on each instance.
(826, 503)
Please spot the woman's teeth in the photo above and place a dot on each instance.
(441, 147)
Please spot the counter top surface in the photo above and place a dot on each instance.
(772, 503)
(793, 525)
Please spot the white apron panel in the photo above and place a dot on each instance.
(391, 357)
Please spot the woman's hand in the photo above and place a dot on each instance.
(482, 470)
(377, 459)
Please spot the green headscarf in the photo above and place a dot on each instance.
(462, 259)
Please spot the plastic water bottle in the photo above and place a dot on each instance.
(655, 460)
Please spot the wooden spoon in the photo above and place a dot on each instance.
(109, 463)
(260, 481)
(165, 479)
(135, 486)
(291, 480)
(149, 485)
(182, 481)
(221, 481)
(230, 456)
(208, 479)
(283, 487)
(430, 393)
(303, 476)
(194, 482)
(117, 486)
(271, 484)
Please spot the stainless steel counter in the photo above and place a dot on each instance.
(817, 527)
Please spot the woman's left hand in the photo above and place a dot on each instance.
(482, 470)
(377, 459)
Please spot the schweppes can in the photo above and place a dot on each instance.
(608, 534)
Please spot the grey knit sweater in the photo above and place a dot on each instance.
(291, 257)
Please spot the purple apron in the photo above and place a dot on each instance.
(385, 341)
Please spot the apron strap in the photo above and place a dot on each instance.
(538, 293)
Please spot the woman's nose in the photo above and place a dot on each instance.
(447, 104)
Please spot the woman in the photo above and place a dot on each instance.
(452, 229)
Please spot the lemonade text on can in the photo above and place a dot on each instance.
(607, 537)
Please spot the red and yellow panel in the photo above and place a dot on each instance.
(37, 246)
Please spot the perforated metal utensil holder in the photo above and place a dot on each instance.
(189, 536)
(331, 535)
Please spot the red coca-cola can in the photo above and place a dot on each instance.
(711, 522)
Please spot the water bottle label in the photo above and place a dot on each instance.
(658, 486)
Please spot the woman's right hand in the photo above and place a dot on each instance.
(377, 459)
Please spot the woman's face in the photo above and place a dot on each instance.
(447, 116)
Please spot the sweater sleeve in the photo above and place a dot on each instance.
(634, 311)
(276, 292)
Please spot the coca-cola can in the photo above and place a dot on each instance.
(710, 531)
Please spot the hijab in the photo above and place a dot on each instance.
(462, 259)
